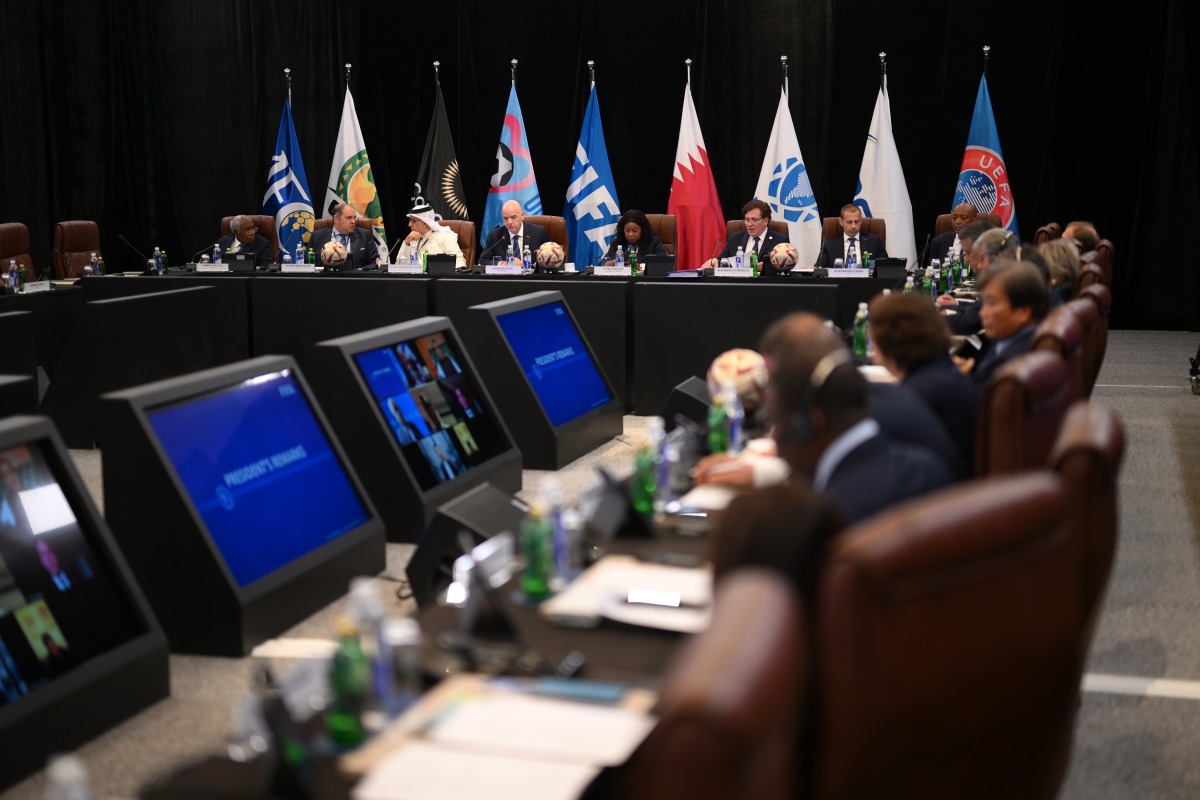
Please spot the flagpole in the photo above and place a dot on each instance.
(592, 73)
(986, 52)
(882, 70)
(436, 79)
(783, 65)
(514, 71)
(287, 76)
(688, 61)
(347, 77)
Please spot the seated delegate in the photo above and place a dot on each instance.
(634, 237)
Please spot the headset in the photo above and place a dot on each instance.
(800, 426)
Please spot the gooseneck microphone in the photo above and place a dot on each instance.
(716, 250)
(131, 247)
(924, 251)
(66, 264)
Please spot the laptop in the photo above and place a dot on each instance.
(239, 262)
(440, 264)
(658, 266)
(893, 268)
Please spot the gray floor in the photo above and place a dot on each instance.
(1125, 747)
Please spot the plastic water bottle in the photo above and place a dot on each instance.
(739, 258)
(851, 260)
(735, 418)
(286, 259)
(718, 427)
(860, 330)
(216, 257)
(299, 254)
(100, 266)
(642, 486)
(158, 261)
(537, 547)
(12, 273)
(526, 260)
(619, 260)
(94, 263)
(512, 258)
(67, 779)
(412, 257)
(908, 284)
(754, 263)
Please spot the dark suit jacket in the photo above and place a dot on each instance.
(880, 473)
(939, 247)
(648, 245)
(534, 236)
(741, 239)
(833, 249)
(954, 401)
(908, 419)
(362, 250)
(966, 320)
(987, 364)
(260, 247)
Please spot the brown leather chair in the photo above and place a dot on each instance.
(730, 706)
(663, 226)
(831, 227)
(556, 228)
(1088, 315)
(14, 244)
(943, 224)
(1102, 298)
(946, 648)
(465, 229)
(1061, 332)
(1089, 273)
(76, 240)
(733, 226)
(1102, 257)
(266, 228)
(362, 223)
(1020, 412)
(1048, 232)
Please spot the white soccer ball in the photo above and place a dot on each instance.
(747, 369)
(333, 253)
(784, 256)
(550, 255)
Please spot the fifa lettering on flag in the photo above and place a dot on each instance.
(287, 198)
(592, 210)
(514, 178)
(983, 178)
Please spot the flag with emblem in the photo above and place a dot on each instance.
(592, 210)
(287, 198)
(882, 192)
(439, 183)
(350, 178)
(699, 221)
(514, 178)
(784, 183)
(983, 178)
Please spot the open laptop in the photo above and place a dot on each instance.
(657, 266)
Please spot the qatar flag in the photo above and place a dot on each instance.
(700, 223)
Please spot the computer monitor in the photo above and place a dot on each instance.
(415, 417)
(236, 506)
(80, 650)
(547, 382)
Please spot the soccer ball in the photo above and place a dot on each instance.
(784, 256)
(550, 255)
(747, 369)
(333, 253)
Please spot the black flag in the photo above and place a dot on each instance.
(438, 181)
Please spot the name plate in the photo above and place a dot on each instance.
(503, 269)
(298, 268)
(405, 269)
(218, 267)
(33, 287)
(613, 272)
(849, 273)
(733, 272)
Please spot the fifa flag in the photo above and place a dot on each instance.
(287, 198)
(882, 192)
(700, 223)
(514, 178)
(438, 181)
(592, 210)
(784, 183)
(983, 179)
(350, 179)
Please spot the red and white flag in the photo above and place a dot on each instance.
(700, 223)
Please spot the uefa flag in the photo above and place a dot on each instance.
(592, 210)
(287, 198)
(700, 223)
(438, 181)
(514, 179)
(784, 183)
(882, 192)
(983, 179)
(350, 179)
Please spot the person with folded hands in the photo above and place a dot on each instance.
(634, 237)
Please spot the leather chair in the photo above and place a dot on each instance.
(14, 243)
(1101, 297)
(76, 240)
(1048, 232)
(1088, 315)
(465, 229)
(556, 228)
(362, 223)
(663, 226)
(943, 224)
(730, 706)
(733, 226)
(1089, 273)
(266, 228)
(946, 648)
(1020, 412)
(831, 228)
(1102, 257)
(1061, 332)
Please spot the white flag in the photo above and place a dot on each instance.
(784, 184)
(350, 179)
(882, 191)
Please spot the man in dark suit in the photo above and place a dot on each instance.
(949, 243)
(1013, 300)
(851, 240)
(361, 250)
(515, 231)
(245, 239)
(758, 237)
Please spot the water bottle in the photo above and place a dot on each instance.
(299, 254)
(739, 258)
(927, 284)
(100, 266)
(735, 418)
(633, 267)
(158, 261)
(310, 256)
(67, 779)
(619, 260)
(286, 259)
(552, 496)
(642, 486)
(718, 429)
(412, 257)
(383, 257)
(526, 260)
(216, 257)
(12, 273)
(754, 263)
(349, 679)
(860, 331)
(536, 546)
(851, 260)
(94, 264)
(512, 258)
(908, 284)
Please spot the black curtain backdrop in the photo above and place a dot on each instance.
(158, 117)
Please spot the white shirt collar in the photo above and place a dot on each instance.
(844, 445)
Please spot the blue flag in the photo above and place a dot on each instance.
(592, 210)
(983, 179)
(287, 198)
(514, 179)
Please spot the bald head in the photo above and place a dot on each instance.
(801, 329)
(512, 214)
(961, 216)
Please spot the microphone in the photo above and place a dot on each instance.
(716, 250)
(131, 247)
(924, 250)
(66, 263)
(479, 258)
(198, 253)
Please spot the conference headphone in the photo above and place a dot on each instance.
(800, 425)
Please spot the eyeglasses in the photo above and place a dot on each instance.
(752, 220)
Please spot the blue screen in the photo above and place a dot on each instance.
(555, 360)
(260, 470)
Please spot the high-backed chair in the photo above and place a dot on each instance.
(1102, 298)
(831, 227)
(1061, 332)
(465, 229)
(946, 648)
(556, 227)
(1048, 232)
(943, 223)
(1102, 257)
(1088, 315)
(14, 244)
(266, 228)
(733, 226)
(362, 223)
(663, 226)
(730, 706)
(1089, 273)
(1020, 411)
(75, 240)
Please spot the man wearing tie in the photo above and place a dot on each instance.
(851, 241)
(757, 238)
(950, 242)
(245, 239)
(360, 244)
(515, 230)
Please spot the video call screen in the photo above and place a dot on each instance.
(260, 470)
(60, 604)
(555, 360)
(432, 407)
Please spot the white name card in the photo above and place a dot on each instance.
(33, 287)
(614, 272)
(733, 272)
(503, 269)
(405, 269)
(299, 268)
(849, 273)
(217, 267)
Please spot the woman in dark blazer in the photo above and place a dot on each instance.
(634, 235)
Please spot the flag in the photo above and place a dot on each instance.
(783, 182)
(592, 210)
(287, 198)
(514, 179)
(882, 192)
(700, 223)
(983, 179)
(438, 181)
(350, 179)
